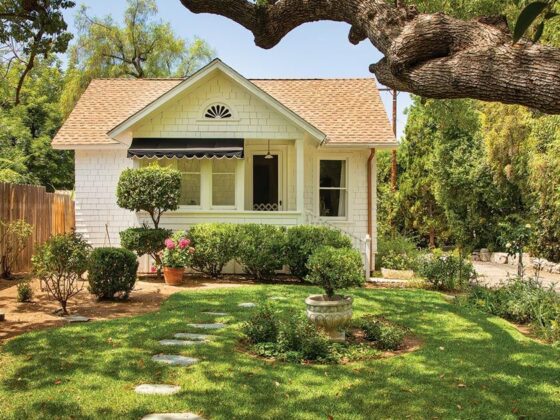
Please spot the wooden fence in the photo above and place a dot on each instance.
(48, 213)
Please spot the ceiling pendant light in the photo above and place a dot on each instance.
(268, 155)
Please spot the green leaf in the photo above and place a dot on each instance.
(527, 17)
(538, 32)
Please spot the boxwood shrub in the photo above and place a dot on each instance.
(303, 240)
(261, 249)
(112, 272)
(215, 245)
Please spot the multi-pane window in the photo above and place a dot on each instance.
(190, 181)
(332, 188)
(223, 182)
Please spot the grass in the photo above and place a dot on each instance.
(471, 366)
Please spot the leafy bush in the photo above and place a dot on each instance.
(263, 325)
(153, 189)
(395, 245)
(112, 272)
(446, 271)
(335, 268)
(215, 245)
(13, 240)
(177, 252)
(261, 249)
(395, 261)
(145, 240)
(60, 263)
(24, 292)
(385, 334)
(303, 240)
(299, 336)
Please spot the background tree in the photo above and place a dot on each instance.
(141, 46)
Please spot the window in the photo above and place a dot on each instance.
(190, 181)
(223, 182)
(217, 112)
(332, 188)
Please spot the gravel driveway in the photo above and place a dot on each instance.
(492, 274)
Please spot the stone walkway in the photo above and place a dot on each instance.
(491, 274)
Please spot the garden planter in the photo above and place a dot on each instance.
(389, 273)
(173, 275)
(330, 315)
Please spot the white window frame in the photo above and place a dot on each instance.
(346, 188)
(234, 174)
(189, 206)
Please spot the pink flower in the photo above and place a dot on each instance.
(153, 268)
(169, 244)
(183, 243)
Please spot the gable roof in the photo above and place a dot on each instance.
(346, 111)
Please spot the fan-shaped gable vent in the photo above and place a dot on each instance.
(217, 112)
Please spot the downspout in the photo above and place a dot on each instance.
(370, 208)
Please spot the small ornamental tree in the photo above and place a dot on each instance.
(60, 263)
(153, 189)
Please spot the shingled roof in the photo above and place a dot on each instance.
(348, 111)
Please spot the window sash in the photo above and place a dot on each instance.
(342, 205)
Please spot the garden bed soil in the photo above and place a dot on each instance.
(147, 296)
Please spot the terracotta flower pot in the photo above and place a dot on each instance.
(330, 315)
(173, 275)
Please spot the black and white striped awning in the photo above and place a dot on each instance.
(186, 148)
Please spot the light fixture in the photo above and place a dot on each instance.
(268, 155)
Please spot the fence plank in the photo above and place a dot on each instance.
(48, 213)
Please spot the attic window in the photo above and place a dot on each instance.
(217, 112)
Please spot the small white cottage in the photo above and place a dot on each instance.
(278, 151)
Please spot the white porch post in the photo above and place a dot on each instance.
(240, 185)
(300, 178)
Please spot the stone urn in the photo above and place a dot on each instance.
(330, 314)
(173, 275)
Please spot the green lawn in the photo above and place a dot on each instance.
(471, 366)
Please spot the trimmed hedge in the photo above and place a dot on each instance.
(303, 240)
(215, 245)
(261, 250)
(112, 272)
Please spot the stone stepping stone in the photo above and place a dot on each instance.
(172, 359)
(76, 318)
(157, 389)
(278, 298)
(180, 342)
(216, 313)
(193, 336)
(247, 305)
(214, 326)
(172, 416)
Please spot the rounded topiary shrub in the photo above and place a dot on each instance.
(261, 252)
(215, 245)
(112, 272)
(303, 240)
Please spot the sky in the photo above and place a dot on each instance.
(314, 50)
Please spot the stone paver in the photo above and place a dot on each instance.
(278, 298)
(76, 318)
(157, 389)
(216, 313)
(194, 336)
(247, 305)
(214, 326)
(180, 342)
(172, 359)
(172, 416)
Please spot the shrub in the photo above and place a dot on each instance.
(303, 240)
(112, 272)
(24, 292)
(215, 245)
(446, 271)
(60, 263)
(263, 325)
(395, 245)
(153, 189)
(261, 249)
(145, 240)
(177, 252)
(385, 334)
(334, 269)
(299, 338)
(395, 261)
(13, 240)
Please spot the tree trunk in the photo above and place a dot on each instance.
(432, 55)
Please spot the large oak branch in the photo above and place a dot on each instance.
(432, 55)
